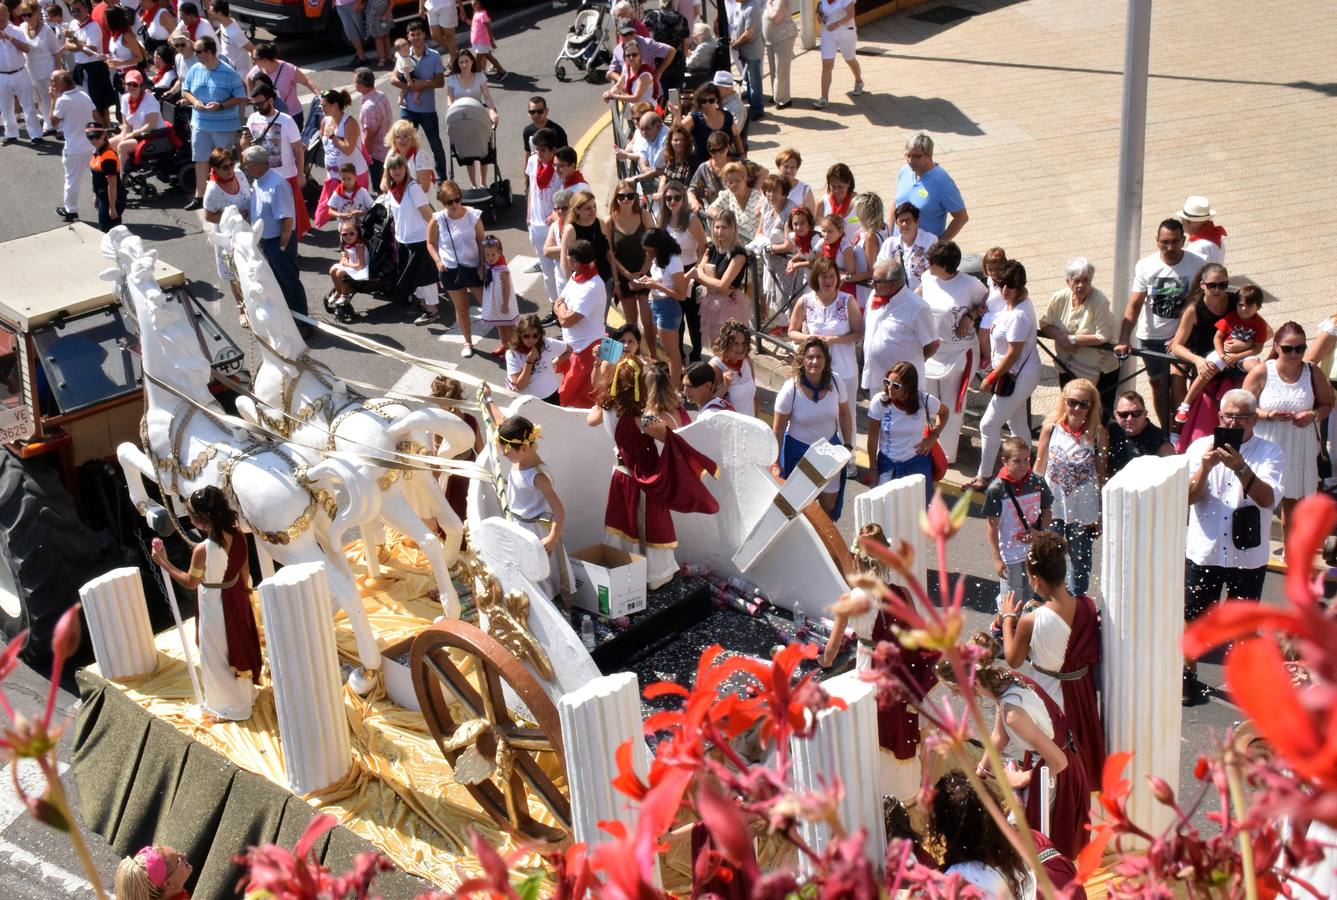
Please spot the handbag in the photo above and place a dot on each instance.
(937, 458)
(1324, 458)
(1006, 384)
(1246, 527)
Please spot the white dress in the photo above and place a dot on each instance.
(1032, 705)
(1299, 477)
(530, 510)
(834, 319)
(1049, 645)
(494, 294)
(227, 695)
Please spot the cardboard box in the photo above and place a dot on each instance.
(609, 582)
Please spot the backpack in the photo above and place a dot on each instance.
(668, 27)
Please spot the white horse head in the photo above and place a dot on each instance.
(266, 309)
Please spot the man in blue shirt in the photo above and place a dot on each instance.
(926, 185)
(272, 212)
(213, 89)
(417, 98)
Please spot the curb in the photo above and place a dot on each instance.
(586, 140)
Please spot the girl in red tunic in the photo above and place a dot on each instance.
(657, 474)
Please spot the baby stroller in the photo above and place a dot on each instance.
(378, 231)
(163, 154)
(587, 43)
(472, 139)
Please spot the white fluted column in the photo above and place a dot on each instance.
(118, 623)
(1142, 578)
(897, 506)
(596, 719)
(844, 744)
(304, 664)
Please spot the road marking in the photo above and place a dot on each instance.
(33, 783)
(583, 143)
(69, 883)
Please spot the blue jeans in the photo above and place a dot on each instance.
(283, 261)
(431, 127)
(752, 76)
(1080, 539)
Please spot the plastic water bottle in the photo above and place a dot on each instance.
(744, 587)
(587, 632)
(695, 570)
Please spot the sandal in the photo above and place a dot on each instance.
(976, 484)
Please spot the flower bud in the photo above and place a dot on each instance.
(1160, 789)
(1200, 768)
(69, 633)
(46, 812)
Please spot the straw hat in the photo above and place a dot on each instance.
(1196, 209)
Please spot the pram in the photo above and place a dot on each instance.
(472, 139)
(164, 154)
(587, 44)
(378, 231)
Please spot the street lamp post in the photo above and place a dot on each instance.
(1132, 146)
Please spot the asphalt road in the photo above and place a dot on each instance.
(35, 862)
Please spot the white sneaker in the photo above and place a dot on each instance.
(858, 89)
(428, 317)
(821, 103)
(468, 351)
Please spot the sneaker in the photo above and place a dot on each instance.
(427, 317)
(821, 103)
(50, 132)
(858, 89)
(534, 269)
(66, 214)
(194, 204)
(784, 104)
(499, 352)
(468, 351)
(1181, 414)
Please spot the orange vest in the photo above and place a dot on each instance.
(99, 158)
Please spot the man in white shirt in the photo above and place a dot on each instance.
(646, 149)
(14, 83)
(90, 69)
(898, 326)
(1204, 237)
(1227, 487)
(71, 112)
(580, 310)
(541, 182)
(232, 41)
(1161, 285)
(277, 132)
(195, 27)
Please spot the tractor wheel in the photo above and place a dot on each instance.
(46, 552)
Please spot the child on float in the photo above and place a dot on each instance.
(156, 872)
(499, 306)
(534, 360)
(531, 499)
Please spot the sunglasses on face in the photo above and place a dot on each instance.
(894, 385)
(451, 201)
(1074, 403)
(537, 112)
(1130, 413)
(621, 196)
(1215, 285)
(1292, 348)
(673, 198)
(709, 101)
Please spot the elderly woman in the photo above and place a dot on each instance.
(903, 425)
(778, 31)
(812, 406)
(141, 115)
(746, 203)
(1293, 397)
(956, 301)
(1080, 322)
(708, 180)
(1015, 373)
(402, 139)
(908, 244)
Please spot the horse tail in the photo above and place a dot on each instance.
(357, 496)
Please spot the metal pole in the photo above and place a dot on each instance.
(1132, 148)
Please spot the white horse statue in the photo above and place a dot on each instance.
(284, 494)
(302, 400)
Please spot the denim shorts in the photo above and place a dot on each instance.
(1157, 368)
(202, 143)
(667, 314)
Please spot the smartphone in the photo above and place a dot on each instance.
(1233, 437)
(610, 350)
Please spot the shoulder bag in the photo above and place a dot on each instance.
(1324, 458)
(937, 458)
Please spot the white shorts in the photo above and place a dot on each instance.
(448, 16)
(480, 49)
(841, 40)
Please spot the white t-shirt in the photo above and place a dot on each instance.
(588, 299)
(897, 331)
(410, 227)
(278, 140)
(901, 430)
(948, 300)
(74, 108)
(665, 275)
(540, 201)
(1201, 247)
(991, 881)
(742, 394)
(216, 199)
(1011, 326)
(653, 151)
(232, 45)
(911, 256)
(360, 201)
(833, 11)
(139, 118)
(1167, 289)
(90, 35)
(457, 239)
(543, 379)
(811, 421)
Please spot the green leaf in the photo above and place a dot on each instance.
(529, 888)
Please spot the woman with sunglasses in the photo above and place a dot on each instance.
(1322, 354)
(708, 180)
(811, 406)
(1071, 456)
(227, 187)
(141, 115)
(1293, 397)
(638, 81)
(903, 425)
(1210, 301)
(709, 116)
(455, 242)
(583, 224)
(625, 227)
(412, 214)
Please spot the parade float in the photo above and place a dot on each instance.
(420, 685)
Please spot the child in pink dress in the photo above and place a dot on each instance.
(482, 41)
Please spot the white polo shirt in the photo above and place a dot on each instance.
(1209, 534)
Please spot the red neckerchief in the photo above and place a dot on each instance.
(159, 71)
(585, 272)
(235, 185)
(831, 253)
(131, 103)
(574, 178)
(356, 241)
(543, 174)
(1063, 423)
(1208, 231)
(339, 189)
(397, 190)
(836, 208)
(191, 29)
(1002, 473)
(878, 301)
(148, 15)
(718, 403)
(804, 241)
(629, 78)
(737, 367)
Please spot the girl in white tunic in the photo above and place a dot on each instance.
(531, 500)
(1292, 397)
(738, 382)
(499, 307)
